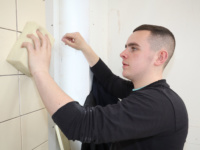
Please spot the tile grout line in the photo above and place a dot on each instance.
(16, 12)
(10, 29)
(19, 78)
(19, 95)
(32, 111)
(20, 111)
(19, 81)
(11, 75)
(22, 115)
(21, 132)
(40, 144)
(16, 15)
(9, 119)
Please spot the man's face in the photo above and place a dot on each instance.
(137, 58)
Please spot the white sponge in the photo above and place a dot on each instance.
(18, 57)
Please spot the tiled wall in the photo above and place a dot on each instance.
(23, 118)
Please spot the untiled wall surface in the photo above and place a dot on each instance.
(182, 17)
(113, 21)
(23, 117)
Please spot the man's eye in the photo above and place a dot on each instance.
(133, 48)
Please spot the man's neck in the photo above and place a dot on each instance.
(144, 81)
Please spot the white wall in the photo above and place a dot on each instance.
(98, 38)
(182, 17)
(111, 23)
(69, 67)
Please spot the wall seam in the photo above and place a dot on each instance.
(16, 15)
(10, 75)
(32, 112)
(19, 79)
(10, 29)
(20, 111)
(9, 119)
(40, 144)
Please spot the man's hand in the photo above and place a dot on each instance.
(75, 40)
(39, 54)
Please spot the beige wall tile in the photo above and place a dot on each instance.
(8, 14)
(10, 137)
(30, 99)
(8, 39)
(9, 97)
(42, 147)
(30, 10)
(34, 129)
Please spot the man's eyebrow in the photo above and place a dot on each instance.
(132, 44)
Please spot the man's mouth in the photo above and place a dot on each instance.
(125, 64)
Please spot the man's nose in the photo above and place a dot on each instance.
(124, 54)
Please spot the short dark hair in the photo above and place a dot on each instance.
(160, 37)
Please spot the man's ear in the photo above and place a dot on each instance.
(161, 57)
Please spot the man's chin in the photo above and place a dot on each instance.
(125, 75)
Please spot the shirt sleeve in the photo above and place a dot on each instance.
(115, 85)
(132, 118)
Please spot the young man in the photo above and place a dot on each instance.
(150, 116)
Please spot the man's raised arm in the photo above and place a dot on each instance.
(76, 41)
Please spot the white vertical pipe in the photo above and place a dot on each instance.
(74, 69)
(52, 25)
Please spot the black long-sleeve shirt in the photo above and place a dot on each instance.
(152, 118)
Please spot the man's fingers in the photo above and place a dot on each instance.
(35, 40)
(48, 43)
(42, 39)
(69, 37)
(28, 46)
(73, 40)
(69, 42)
